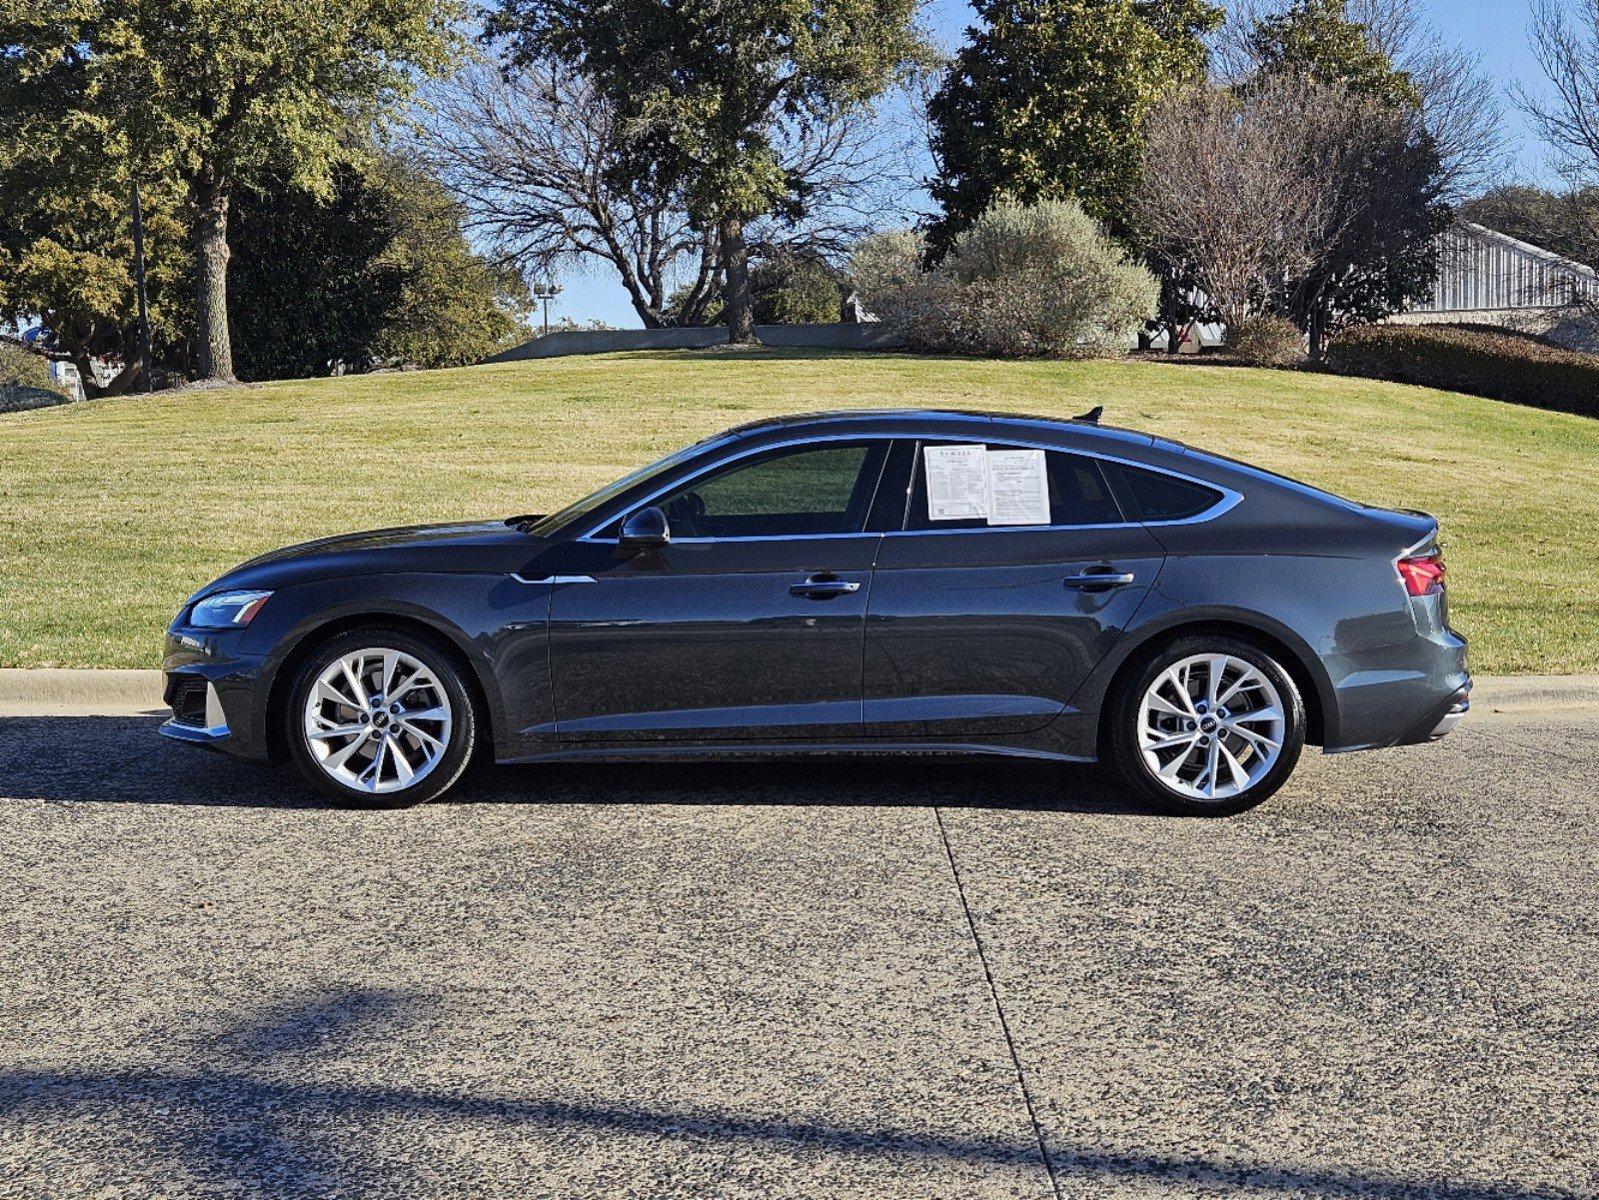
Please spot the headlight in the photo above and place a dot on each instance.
(228, 610)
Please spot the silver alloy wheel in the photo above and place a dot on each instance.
(1211, 726)
(377, 720)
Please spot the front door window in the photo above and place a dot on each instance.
(813, 491)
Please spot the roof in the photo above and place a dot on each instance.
(895, 419)
(1548, 256)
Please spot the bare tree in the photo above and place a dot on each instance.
(535, 158)
(1296, 195)
(1226, 189)
(1565, 41)
(850, 174)
(541, 164)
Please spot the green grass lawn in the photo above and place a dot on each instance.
(112, 511)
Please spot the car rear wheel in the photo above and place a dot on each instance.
(1207, 726)
(380, 719)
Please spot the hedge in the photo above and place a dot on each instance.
(1479, 359)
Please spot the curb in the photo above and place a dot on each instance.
(78, 692)
(71, 692)
(1534, 693)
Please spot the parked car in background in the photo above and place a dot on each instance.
(866, 582)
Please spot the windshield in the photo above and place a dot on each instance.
(581, 508)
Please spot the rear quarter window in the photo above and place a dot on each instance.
(1165, 497)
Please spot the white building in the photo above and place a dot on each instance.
(1490, 278)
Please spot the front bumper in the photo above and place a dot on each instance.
(215, 691)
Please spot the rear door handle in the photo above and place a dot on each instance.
(1090, 581)
(823, 586)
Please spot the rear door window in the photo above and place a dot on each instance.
(1076, 490)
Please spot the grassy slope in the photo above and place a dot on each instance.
(111, 512)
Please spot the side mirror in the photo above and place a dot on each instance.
(645, 530)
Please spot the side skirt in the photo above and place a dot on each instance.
(702, 752)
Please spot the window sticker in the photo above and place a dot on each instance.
(1018, 487)
(957, 482)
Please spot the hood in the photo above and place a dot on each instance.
(479, 547)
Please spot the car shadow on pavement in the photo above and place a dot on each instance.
(257, 1111)
(123, 760)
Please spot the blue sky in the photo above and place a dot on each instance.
(1496, 29)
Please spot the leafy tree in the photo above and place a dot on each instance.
(217, 94)
(455, 307)
(707, 87)
(1375, 162)
(1048, 98)
(1320, 39)
(66, 240)
(379, 270)
(308, 282)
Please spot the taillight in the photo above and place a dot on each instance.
(1423, 574)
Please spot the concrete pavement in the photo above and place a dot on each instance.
(840, 980)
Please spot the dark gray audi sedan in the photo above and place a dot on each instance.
(869, 582)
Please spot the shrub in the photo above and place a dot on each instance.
(1478, 359)
(795, 289)
(21, 367)
(1024, 281)
(25, 379)
(885, 267)
(1266, 341)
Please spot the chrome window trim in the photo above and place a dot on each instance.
(1229, 499)
(552, 579)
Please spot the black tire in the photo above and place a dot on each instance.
(440, 663)
(1122, 734)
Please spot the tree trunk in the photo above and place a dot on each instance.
(736, 293)
(1167, 315)
(211, 262)
(1317, 331)
(139, 283)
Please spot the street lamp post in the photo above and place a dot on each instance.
(544, 293)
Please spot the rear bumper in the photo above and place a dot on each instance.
(1440, 720)
(1459, 706)
(1421, 697)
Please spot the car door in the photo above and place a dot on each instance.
(748, 625)
(985, 622)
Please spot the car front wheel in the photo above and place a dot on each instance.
(1207, 726)
(380, 718)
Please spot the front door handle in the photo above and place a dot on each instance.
(1098, 580)
(824, 586)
